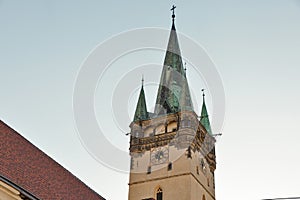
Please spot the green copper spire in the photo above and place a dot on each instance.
(204, 120)
(173, 92)
(141, 107)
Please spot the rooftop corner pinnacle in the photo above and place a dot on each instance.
(141, 112)
(204, 119)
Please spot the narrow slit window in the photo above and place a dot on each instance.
(149, 170)
(170, 166)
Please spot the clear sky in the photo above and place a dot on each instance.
(255, 46)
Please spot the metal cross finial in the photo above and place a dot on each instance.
(173, 9)
(203, 92)
(142, 79)
(184, 66)
(173, 17)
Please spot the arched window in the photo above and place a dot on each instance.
(148, 132)
(159, 194)
(172, 127)
(160, 129)
(203, 197)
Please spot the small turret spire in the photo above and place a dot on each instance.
(141, 112)
(173, 17)
(204, 120)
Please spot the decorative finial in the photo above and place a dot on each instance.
(184, 66)
(173, 16)
(142, 79)
(173, 9)
(203, 94)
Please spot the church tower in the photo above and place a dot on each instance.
(172, 149)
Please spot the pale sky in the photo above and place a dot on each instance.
(254, 45)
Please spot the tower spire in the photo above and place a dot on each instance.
(141, 112)
(204, 120)
(173, 93)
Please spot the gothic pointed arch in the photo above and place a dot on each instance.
(159, 194)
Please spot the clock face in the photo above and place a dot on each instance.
(159, 155)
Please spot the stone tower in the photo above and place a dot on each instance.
(172, 150)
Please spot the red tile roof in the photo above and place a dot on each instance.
(31, 169)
